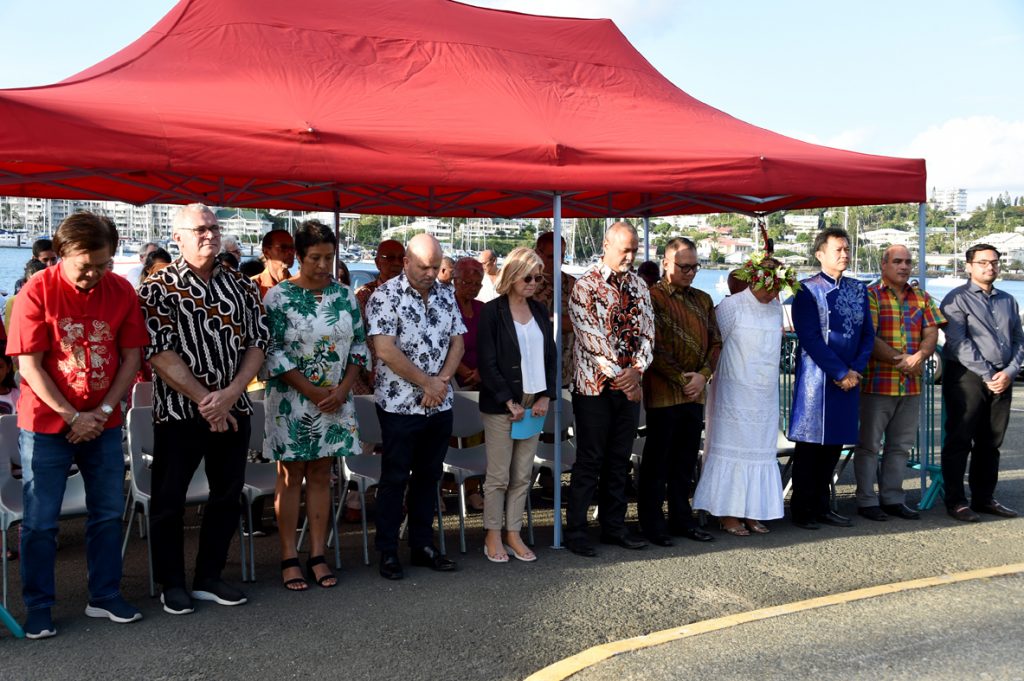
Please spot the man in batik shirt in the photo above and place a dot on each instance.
(612, 319)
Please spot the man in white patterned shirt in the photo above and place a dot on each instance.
(416, 329)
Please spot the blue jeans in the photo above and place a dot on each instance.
(46, 460)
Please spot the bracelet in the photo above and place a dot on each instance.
(74, 418)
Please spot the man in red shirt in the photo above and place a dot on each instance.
(78, 334)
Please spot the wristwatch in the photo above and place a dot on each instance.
(106, 409)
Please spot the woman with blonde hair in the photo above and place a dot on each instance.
(516, 360)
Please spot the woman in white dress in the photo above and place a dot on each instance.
(740, 482)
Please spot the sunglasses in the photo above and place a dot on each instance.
(686, 269)
(530, 278)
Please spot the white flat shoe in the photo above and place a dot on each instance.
(525, 557)
(495, 559)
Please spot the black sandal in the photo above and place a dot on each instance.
(295, 583)
(320, 560)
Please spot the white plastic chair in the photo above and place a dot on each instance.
(142, 394)
(11, 498)
(140, 444)
(464, 463)
(544, 458)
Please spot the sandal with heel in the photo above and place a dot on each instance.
(757, 527)
(737, 530)
(295, 583)
(325, 581)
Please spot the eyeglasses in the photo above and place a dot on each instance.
(686, 269)
(985, 263)
(203, 230)
(530, 278)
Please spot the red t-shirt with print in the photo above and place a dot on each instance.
(81, 335)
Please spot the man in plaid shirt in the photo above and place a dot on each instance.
(907, 322)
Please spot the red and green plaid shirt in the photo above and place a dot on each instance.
(901, 327)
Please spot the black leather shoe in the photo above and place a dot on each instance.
(964, 513)
(581, 548)
(901, 511)
(806, 524)
(661, 540)
(872, 513)
(625, 541)
(834, 519)
(695, 534)
(390, 566)
(430, 557)
(995, 508)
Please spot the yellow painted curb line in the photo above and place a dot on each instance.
(577, 663)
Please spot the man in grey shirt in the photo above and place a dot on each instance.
(984, 351)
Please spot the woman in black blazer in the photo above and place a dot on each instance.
(516, 360)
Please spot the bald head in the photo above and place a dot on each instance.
(489, 260)
(422, 262)
(620, 247)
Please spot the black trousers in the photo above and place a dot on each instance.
(414, 447)
(670, 454)
(813, 468)
(178, 447)
(976, 420)
(605, 429)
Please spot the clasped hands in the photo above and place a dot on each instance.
(435, 390)
(327, 400)
(88, 426)
(911, 364)
(216, 406)
(517, 411)
(850, 381)
(628, 381)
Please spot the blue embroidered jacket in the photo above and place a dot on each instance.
(833, 324)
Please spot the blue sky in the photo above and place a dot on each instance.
(939, 80)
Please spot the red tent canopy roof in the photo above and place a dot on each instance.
(408, 107)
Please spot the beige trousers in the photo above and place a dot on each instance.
(509, 471)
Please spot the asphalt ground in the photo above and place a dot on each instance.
(492, 621)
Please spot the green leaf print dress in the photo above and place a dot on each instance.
(320, 338)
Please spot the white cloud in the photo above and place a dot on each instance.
(979, 153)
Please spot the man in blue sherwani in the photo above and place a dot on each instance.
(833, 324)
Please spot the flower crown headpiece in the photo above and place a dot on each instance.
(763, 271)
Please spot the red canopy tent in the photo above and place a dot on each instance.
(424, 107)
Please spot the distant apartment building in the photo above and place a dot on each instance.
(248, 225)
(1009, 244)
(949, 199)
(889, 237)
(42, 216)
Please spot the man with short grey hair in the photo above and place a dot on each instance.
(200, 407)
(984, 351)
(906, 322)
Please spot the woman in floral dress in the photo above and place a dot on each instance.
(317, 345)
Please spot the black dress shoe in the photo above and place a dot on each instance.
(661, 540)
(995, 508)
(390, 566)
(834, 519)
(901, 511)
(964, 513)
(694, 533)
(625, 541)
(581, 548)
(806, 524)
(430, 557)
(872, 513)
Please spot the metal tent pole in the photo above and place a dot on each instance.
(647, 238)
(556, 279)
(337, 230)
(924, 432)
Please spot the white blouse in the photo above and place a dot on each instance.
(531, 351)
